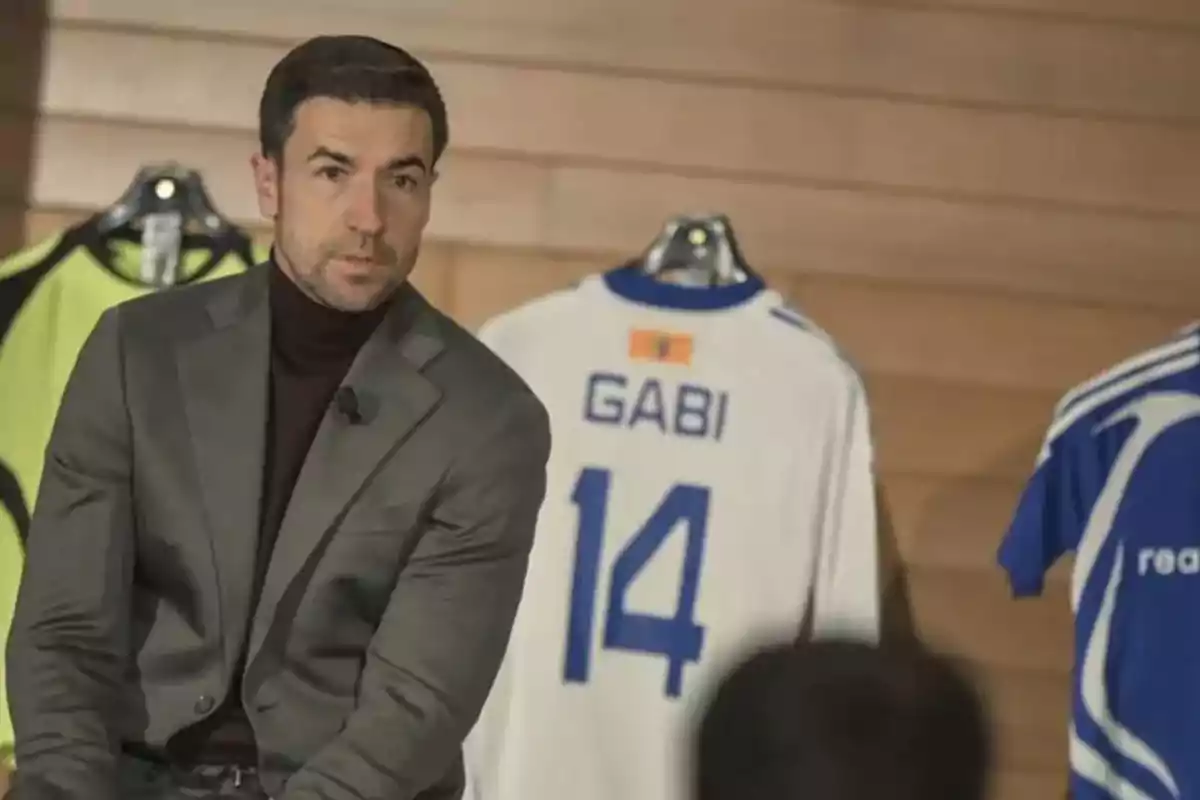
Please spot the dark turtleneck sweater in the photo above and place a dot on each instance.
(312, 348)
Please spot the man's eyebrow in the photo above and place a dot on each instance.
(408, 161)
(332, 155)
(345, 160)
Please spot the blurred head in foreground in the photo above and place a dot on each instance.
(843, 720)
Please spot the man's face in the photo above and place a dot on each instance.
(350, 199)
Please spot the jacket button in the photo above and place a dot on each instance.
(204, 704)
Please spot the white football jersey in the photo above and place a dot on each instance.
(710, 485)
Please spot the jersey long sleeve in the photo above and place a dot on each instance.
(846, 596)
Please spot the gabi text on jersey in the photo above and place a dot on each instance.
(675, 409)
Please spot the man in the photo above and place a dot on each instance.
(843, 720)
(285, 517)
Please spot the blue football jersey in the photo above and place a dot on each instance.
(1118, 484)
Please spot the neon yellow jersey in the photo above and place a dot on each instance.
(51, 296)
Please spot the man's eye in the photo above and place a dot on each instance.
(332, 173)
(406, 182)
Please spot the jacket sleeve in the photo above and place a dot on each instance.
(68, 645)
(436, 653)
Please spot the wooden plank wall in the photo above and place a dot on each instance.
(23, 25)
(985, 201)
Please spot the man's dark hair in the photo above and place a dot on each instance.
(349, 68)
(843, 720)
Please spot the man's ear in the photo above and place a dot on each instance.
(266, 184)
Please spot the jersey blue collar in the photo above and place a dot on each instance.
(632, 284)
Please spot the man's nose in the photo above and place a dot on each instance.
(365, 210)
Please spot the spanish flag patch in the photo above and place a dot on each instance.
(662, 347)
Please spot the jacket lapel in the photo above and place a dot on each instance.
(224, 376)
(394, 399)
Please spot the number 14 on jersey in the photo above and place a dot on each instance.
(680, 638)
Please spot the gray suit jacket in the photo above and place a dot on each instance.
(388, 601)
